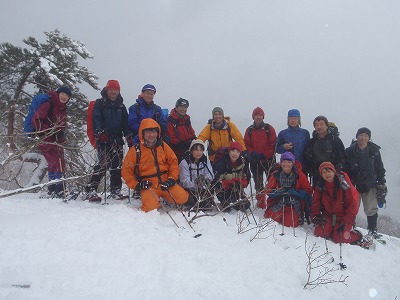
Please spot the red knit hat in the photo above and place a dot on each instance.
(258, 111)
(326, 165)
(235, 145)
(113, 84)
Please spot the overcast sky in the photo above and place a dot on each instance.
(338, 58)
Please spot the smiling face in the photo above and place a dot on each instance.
(197, 151)
(150, 136)
(321, 128)
(112, 94)
(63, 97)
(293, 121)
(181, 110)
(148, 96)
(287, 166)
(234, 154)
(258, 119)
(362, 140)
(218, 118)
(328, 175)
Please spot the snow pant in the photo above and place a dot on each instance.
(110, 158)
(370, 202)
(54, 156)
(284, 216)
(258, 168)
(330, 231)
(232, 196)
(150, 197)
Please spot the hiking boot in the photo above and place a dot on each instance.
(117, 195)
(93, 197)
(59, 195)
(374, 234)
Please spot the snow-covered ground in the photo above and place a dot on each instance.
(80, 250)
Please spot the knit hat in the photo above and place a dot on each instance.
(293, 113)
(182, 102)
(364, 130)
(258, 111)
(323, 118)
(326, 165)
(197, 142)
(235, 145)
(113, 85)
(64, 89)
(217, 109)
(288, 156)
(149, 87)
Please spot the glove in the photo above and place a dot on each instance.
(143, 185)
(226, 184)
(102, 137)
(246, 157)
(167, 184)
(340, 228)
(319, 220)
(243, 182)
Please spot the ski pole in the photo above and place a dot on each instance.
(341, 264)
(163, 206)
(180, 209)
(291, 208)
(326, 244)
(283, 217)
(105, 175)
(62, 172)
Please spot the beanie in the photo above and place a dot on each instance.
(113, 85)
(326, 165)
(364, 130)
(288, 156)
(182, 102)
(64, 89)
(258, 111)
(235, 145)
(293, 113)
(217, 109)
(323, 118)
(149, 87)
(196, 142)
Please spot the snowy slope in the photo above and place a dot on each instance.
(87, 251)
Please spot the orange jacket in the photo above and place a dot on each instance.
(156, 164)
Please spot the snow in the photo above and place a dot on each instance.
(81, 250)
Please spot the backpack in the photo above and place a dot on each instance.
(156, 115)
(334, 129)
(220, 154)
(266, 127)
(36, 102)
(175, 123)
(209, 150)
(89, 121)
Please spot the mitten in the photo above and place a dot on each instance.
(167, 184)
(144, 185)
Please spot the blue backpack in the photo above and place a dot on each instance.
(35, 104)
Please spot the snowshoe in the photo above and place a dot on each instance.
(374, 234)
(367, 242)
(93, 197)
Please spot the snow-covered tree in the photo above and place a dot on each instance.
(39, 68)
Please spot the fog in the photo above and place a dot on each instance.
(335, 58)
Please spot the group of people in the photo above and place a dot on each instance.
(316, 179)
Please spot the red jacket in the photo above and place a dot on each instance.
(180, 129)
(344, 205)
(260, 141)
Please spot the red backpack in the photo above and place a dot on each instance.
(89, 121)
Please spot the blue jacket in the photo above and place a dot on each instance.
(151, 110)
(298, 136)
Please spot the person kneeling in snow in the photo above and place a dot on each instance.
(289, 193)
(231, 177)
(335, 206)
(151, 167)
(196, 176)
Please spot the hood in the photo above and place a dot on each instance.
(148, 123)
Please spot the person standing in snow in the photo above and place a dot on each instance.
(231, 177)
(180, 130)
(323, 146)
(151, 167)
(146, 108)
(259, 139)
(49, 121)
(196, 176)
(110, 126)
(335, 206)
(365, 168)
(294, 138)
(289, 193)
(219, 132)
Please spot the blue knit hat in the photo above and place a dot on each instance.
(288, 156)
(64, 89)
(293, 113)
(149, 87)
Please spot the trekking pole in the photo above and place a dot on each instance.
(283, 218)
(291, 208)
(163, 206)
(63, 182)
(341, 264)
(326, 244)
(105, 175)
(129, 196)
(180, 209)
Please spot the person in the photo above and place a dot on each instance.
(49, 121)
(294, 138)
(335, 206)
(110, 126)
(146, 108)
(365, 168)
(289, 193)
(259, 139)
(323, 146)
(180, 130)
(231, 177)
(219, 132)
(196, 176)
(151, 167)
